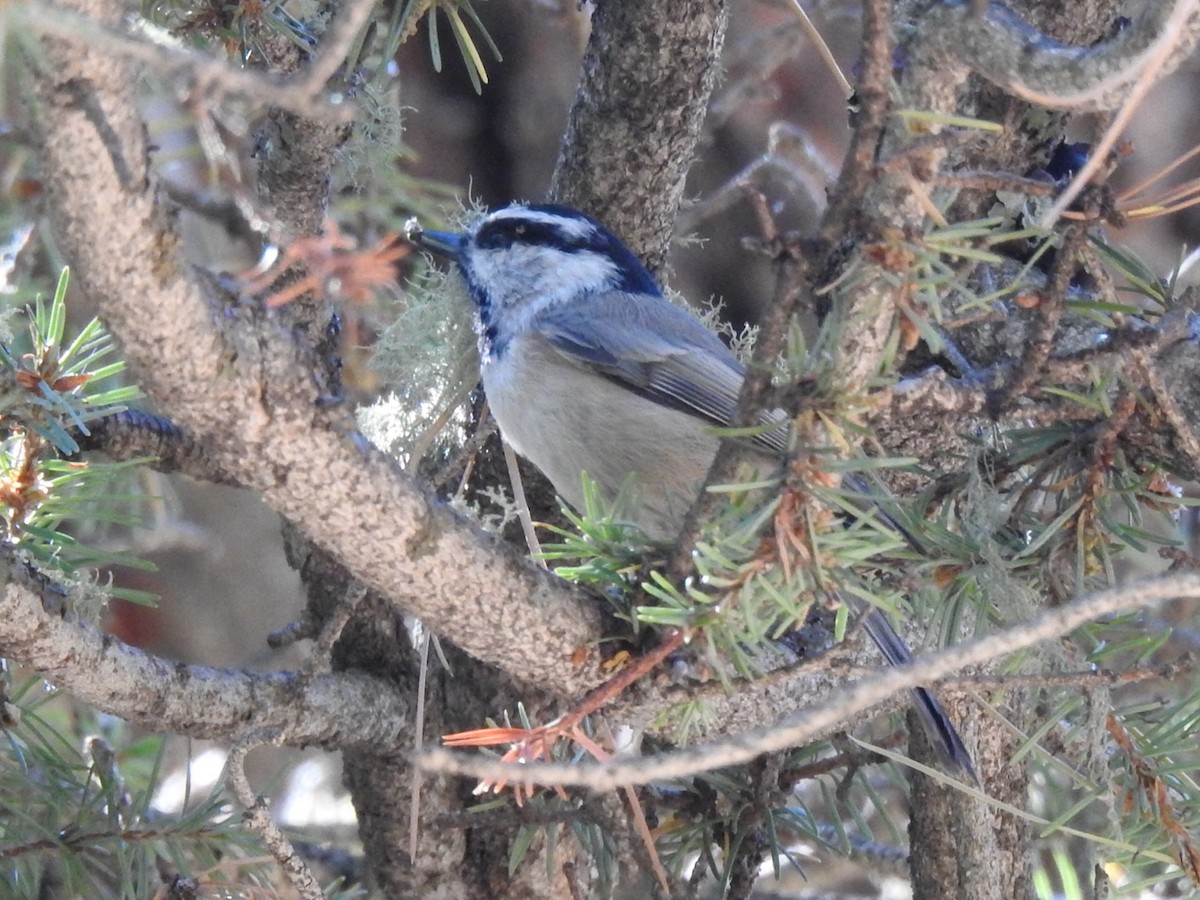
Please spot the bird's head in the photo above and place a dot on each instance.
(520, 259)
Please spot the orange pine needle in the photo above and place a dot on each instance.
(487, 737)
(333, 265)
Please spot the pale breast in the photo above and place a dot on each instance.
(567, 420)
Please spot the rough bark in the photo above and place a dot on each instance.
(647, 75)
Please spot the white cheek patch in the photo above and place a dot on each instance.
(500, 274)
(520, 281)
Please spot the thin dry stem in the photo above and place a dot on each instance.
(808, 723)
(258, 817)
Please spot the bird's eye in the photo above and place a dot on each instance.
(519, 230)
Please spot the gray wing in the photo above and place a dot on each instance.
(665, 354)
(655, 349)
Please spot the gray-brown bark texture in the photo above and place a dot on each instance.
(632, 135)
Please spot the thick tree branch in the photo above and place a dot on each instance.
(331, 711)
(647, 76)
(134, 434)
(235, 379)
(1032, 66)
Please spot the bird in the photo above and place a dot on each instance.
(588, 368)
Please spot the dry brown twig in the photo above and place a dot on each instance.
(257, 816)
(304, 94)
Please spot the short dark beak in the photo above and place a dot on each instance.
(443, 243)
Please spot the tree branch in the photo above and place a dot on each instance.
(236, 380)
(257, 816)
(647, 75)
(812, 721)
(303, 96)
(331, 711)
(1032, 66)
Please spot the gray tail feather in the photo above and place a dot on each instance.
(942, 733)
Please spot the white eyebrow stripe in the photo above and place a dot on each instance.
(572, 227)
